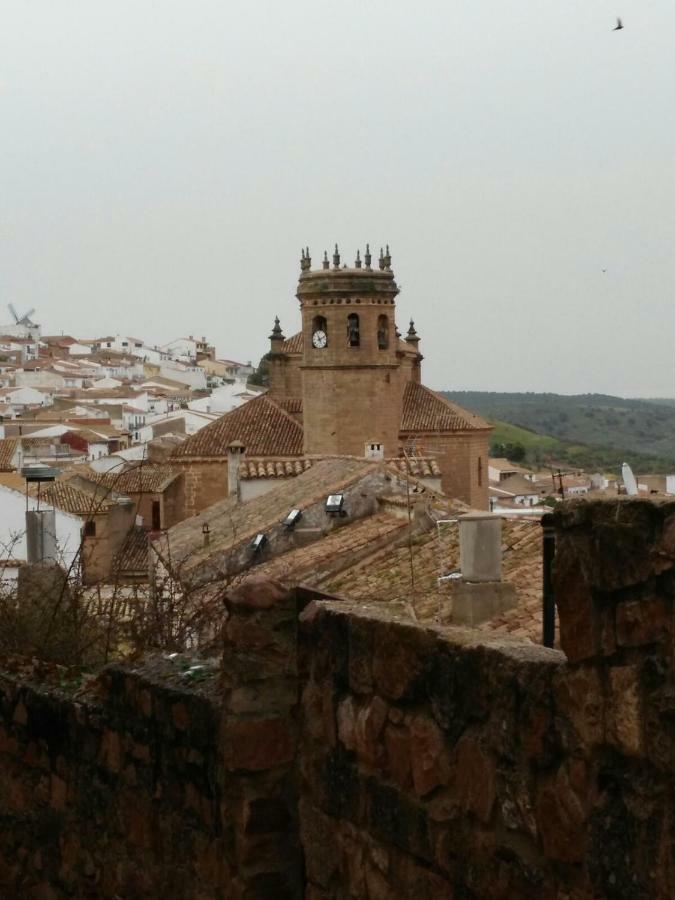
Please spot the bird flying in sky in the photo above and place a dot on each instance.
(619, 25)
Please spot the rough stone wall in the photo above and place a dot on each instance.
(151, 782)
(436, 766)
(109, 795)
(98, 551)
(173, 503)
(204, 483)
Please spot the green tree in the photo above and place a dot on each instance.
(261, 376)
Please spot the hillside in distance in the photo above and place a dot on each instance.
(582, 429)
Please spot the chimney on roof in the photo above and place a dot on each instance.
(235, 454)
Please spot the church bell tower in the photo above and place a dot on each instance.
(350, 370)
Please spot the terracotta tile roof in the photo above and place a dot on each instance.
(273, 468)
(233, 523)
(418, 466)
(311, 564)
(387, 578)
(67, 497)
(292, 344)
(260, 424)
(7, 450)
(424, 410)
(145, 478)
(292, 405)
(522, 566)
(133, 554)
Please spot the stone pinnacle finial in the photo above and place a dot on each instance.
(336, 258)
(381, 259)
(308, 259)
(357, 263)
(387, 259)
(368, 258)
(412, 337)
(325, 263)
(277, 333)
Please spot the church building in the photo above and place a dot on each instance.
(346, 384)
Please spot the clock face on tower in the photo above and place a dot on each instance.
(319, 339)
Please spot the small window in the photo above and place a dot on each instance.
(125, 343)
(353, 335)
(90, 528)
(383, 332)
(156, 516)
(480, 471)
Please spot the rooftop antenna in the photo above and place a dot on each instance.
(629, 480)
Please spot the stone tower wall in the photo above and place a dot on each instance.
(351, 394)
(285, 376)
(343, 408)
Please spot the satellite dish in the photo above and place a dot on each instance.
(629, 480)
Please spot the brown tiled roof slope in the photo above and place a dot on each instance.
(133, 554)
(71, 499)
(425, 410)
(310, 563)
(292, 405)
(7, 451)
(292, 344)
(273, 468)
(522, 566)
(231, 523)
(145, 478)
(260, 424)
(418, 466)
(387, 578)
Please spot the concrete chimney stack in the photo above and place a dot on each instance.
(235, 454)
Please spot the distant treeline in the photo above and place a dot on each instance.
(590, 431)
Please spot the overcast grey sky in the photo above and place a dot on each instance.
(162, 163)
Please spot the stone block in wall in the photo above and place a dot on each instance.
(645, 620)
(580, 700)
(257, 745)
(561, 812)
(401, 654)
(624, 710)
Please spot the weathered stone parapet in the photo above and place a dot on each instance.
(435, 760)
(614, 578)
(109, 787)
(259, 737)
(423, 754)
